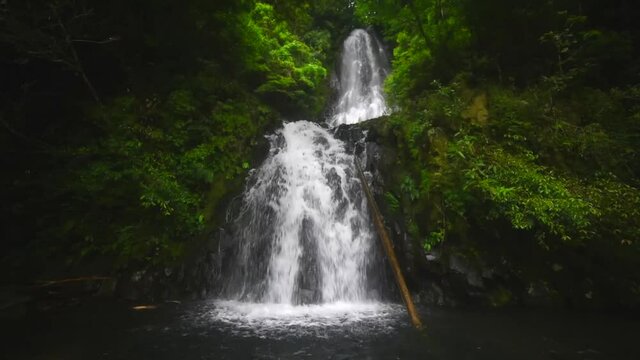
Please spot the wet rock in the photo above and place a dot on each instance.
(474, 279)
(107, 287)
(539, 294)
(180, 275)
(460, 264)
(488, 273)
(306, 296)
(138, 275)
(431, 256)
(195, 278)
(432, 295)
(557, 267)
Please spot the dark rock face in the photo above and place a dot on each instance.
(309, 275)
(190, 280)
(196, 278)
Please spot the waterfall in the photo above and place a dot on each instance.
(303, 233)
(363, 69)
(303, 227)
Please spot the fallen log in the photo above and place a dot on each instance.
(388, 248)
(45, 283)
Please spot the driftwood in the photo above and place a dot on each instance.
(66, 281)
(388, 248)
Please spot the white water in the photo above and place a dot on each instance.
(319, 320)
(304, 184)
(304, 235)
(362, 73)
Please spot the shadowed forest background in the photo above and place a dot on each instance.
(127, 126)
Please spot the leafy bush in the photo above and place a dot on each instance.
(291, 68)
(143, 188)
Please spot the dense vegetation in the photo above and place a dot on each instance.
(127, 124)
(520, 128)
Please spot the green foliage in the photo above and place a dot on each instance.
(431, 37)
(499, 171)
(536, 163)
(412, 62)
(408, 188)
(619, 206)
(555, 159)
(392, 201)
(554, 163)
(131, 152)
(291, 69)
(320, 43)
(527, 194)
(584, 53)
(155, 167)
(434, 238)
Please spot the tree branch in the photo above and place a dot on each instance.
(108, 40)
(78, 64)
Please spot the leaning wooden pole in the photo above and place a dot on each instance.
(388, 248)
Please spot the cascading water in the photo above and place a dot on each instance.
(362, 72)
(303, 229)
(303, 232)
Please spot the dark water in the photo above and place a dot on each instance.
(108, 330)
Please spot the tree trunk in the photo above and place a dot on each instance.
(388, 248)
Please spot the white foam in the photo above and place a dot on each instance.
(275, 320)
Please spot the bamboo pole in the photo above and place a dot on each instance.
(388, 248)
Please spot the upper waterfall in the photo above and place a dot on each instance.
(363, 69)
